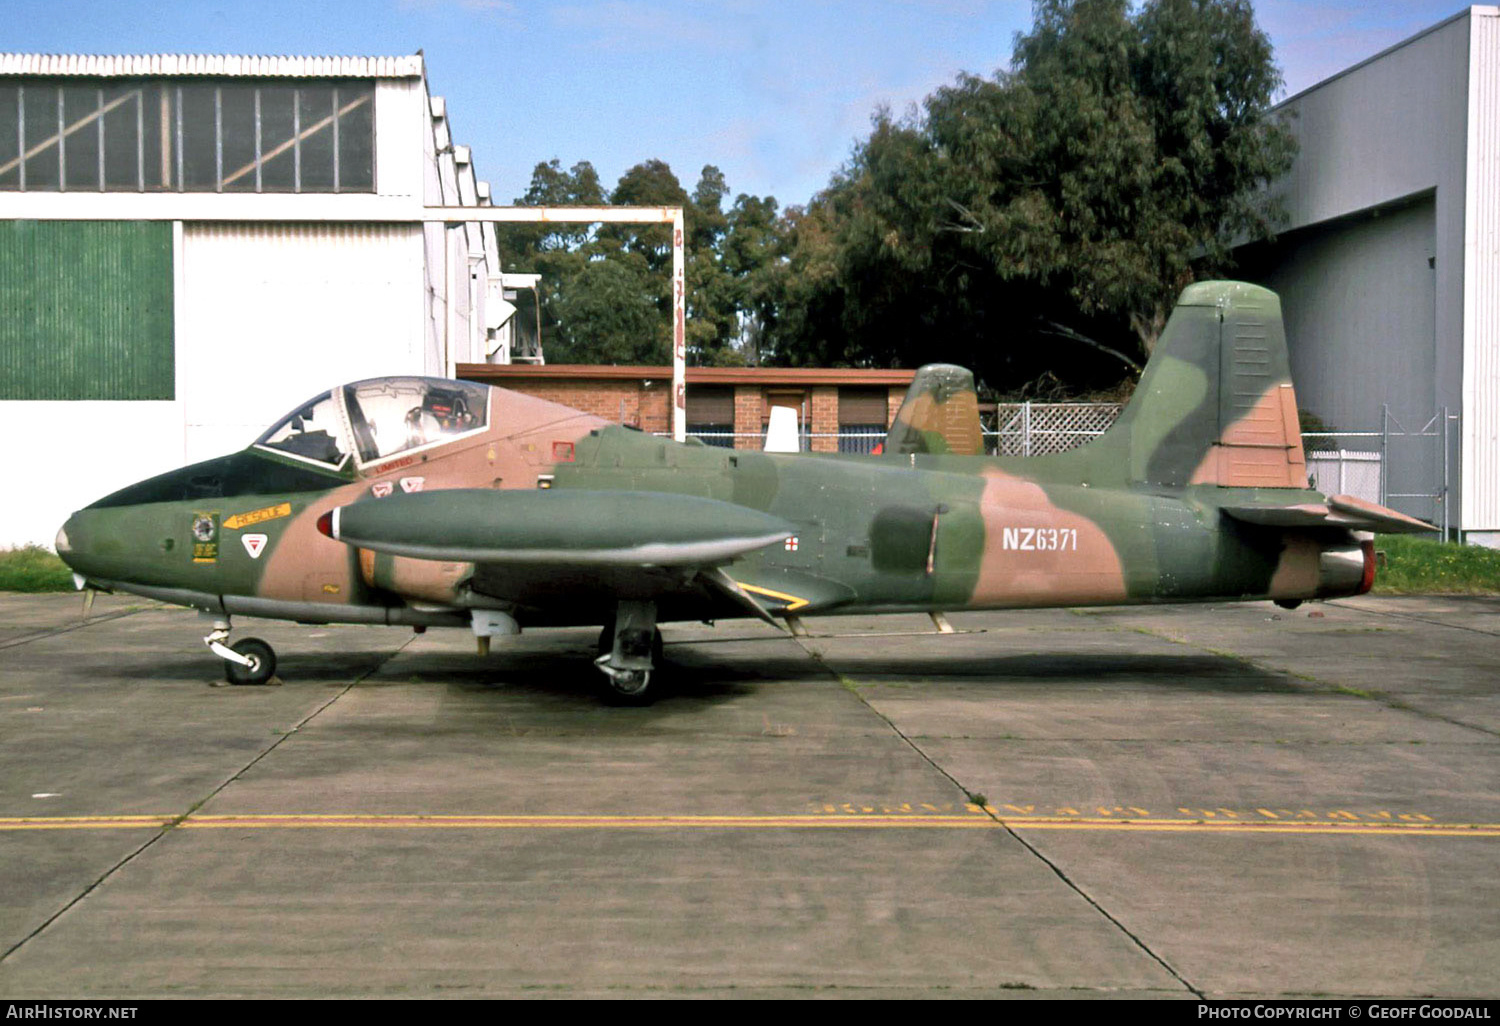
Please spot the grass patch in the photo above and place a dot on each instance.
(33, 568)
(1419, 566)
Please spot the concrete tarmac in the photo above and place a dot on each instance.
(1224, 800)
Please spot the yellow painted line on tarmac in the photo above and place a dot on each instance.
(83, 822)
(355, 821)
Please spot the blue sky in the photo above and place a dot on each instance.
(773, 93)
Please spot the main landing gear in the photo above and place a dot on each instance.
(247, 661)
(629, 651)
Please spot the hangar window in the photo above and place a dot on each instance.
(194, 135)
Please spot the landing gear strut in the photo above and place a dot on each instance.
(629, 650)
(247, 661)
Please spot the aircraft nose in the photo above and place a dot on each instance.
(83, 543)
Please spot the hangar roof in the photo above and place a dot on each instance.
(219, 65)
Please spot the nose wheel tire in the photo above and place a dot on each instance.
(262, 662)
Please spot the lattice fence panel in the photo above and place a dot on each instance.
(1037, 429)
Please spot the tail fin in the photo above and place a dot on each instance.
(940, 414)
(1215, 404)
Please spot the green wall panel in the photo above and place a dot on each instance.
(86, 310)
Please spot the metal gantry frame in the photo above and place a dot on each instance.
(451, 217)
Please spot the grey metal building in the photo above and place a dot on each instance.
(1389, 266)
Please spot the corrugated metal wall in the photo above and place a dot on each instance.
(1359, 301)
(86, 310)
(1384, 181)
(1358, 297)
(1481, 427)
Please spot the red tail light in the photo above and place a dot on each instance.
(1369, 579)
(325, 524)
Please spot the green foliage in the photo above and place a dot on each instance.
(606, 290)
(605, 315)
(1073, 195)
(33, 569)
(1417, 565)
(1308, 421)
(1037, 222)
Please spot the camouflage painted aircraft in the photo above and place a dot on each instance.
(426, 502)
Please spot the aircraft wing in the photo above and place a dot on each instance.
(561, 547)
(1338, 511)
(557, 527)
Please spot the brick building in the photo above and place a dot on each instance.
(839, 410)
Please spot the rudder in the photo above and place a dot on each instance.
(1215, 404)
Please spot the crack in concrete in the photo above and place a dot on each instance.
(52, 632)
(1385, 698)
(167, 828)
(1413, 616)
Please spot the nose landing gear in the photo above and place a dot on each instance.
(247, 661)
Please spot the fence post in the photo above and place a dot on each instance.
(1385, 452)
(1026, 428)
(1445, 474)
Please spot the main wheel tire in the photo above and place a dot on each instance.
(640, 687)
(262, 662)
(633, 687)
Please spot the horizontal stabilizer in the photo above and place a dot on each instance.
(1338, 511)
(558, 526)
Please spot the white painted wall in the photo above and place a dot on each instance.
(400, 119)
(61, 456)
(1481, 348)
(269, 315)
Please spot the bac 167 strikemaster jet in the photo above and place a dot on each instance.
(427, 502)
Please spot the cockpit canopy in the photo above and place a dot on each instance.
(371, 420)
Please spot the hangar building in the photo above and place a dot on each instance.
(192, 245)
(1389, 268)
